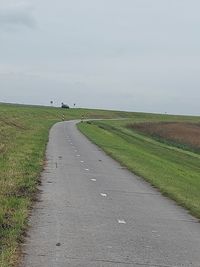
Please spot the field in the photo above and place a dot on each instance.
(23, 137)
(174, 171)
(181, 134)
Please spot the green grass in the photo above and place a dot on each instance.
(23, 138)
(176, 172)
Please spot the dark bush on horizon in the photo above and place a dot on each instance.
(64, 106)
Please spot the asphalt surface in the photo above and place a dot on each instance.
(94, 213)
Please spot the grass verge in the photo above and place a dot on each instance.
(174, 171)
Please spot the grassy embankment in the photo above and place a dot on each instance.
(175, 171)
(23, 137)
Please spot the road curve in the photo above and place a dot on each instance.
(94, 213)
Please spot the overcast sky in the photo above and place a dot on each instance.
(137, 55)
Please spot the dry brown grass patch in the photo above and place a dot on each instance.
(180, 132)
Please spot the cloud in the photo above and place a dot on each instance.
(14, 17)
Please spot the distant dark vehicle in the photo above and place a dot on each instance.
(64, 106)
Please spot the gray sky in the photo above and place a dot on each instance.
(137, 55)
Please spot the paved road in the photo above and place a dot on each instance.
(94, 213)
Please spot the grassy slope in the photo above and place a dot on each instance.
(174, 171)
(23, 137)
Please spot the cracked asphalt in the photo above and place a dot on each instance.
(94, 213)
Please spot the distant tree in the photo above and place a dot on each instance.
(74, 105)
(64, 105)
(51, 102)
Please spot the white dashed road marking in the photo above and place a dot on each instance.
(93, 180)
(86, 169)
(121, 221)
(82, 161)
(103, 195)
